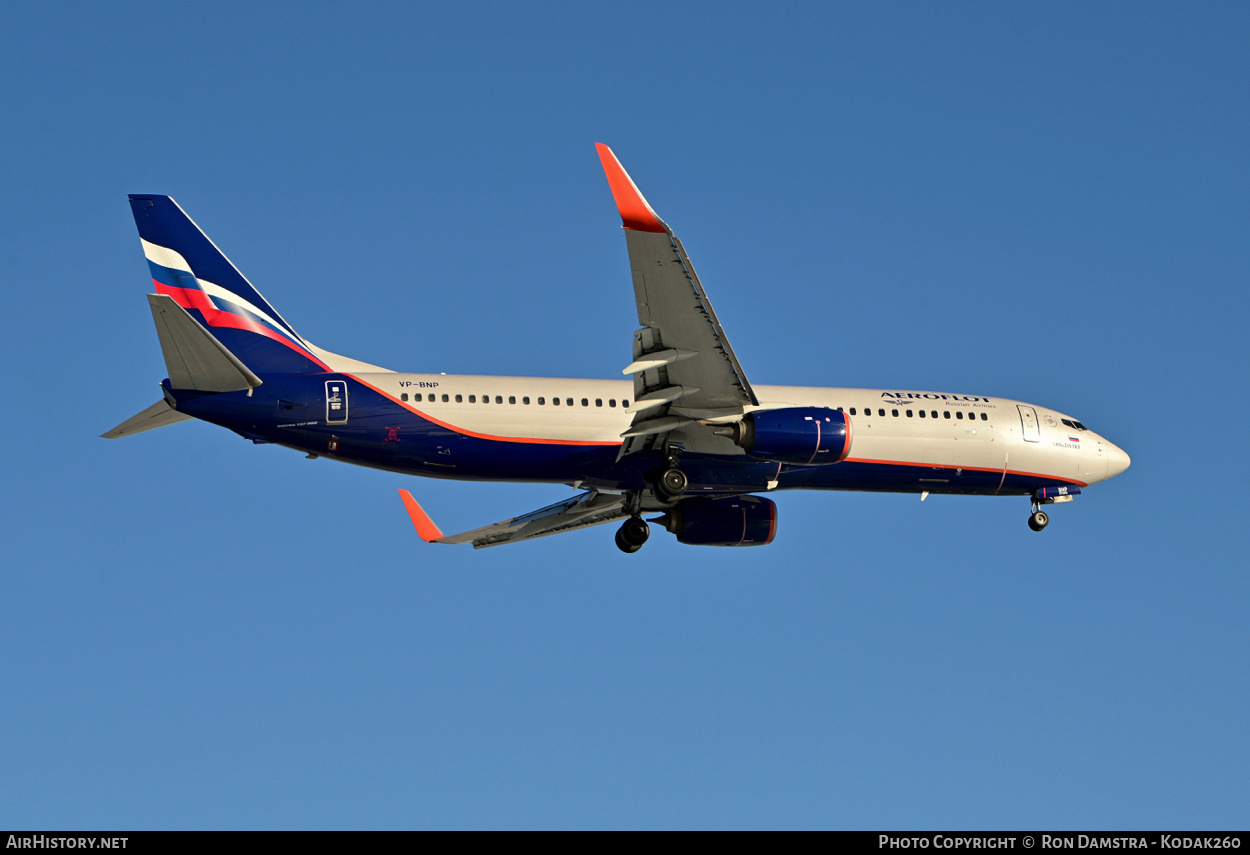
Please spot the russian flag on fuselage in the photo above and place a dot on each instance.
(187, 266)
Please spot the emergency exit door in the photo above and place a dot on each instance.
(1028, 421)
(336, 402)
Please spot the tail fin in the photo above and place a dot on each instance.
(190, 269)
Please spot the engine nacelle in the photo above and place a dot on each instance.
(738, 521)
(806, 436)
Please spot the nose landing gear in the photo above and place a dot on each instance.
(632, 534)
(1039, 519)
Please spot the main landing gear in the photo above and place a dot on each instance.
(668, 487)
(672, 483)
(632, 534)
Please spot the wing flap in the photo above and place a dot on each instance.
(683, 364)
(685, 342)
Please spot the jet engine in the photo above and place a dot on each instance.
(737, 521)
(801, 435)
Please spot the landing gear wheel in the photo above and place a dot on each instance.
(625, 547)
(1038, 520)
(673, 482)
(632, 534)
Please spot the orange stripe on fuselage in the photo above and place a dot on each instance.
(460, 430)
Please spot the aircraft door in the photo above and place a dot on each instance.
(1028, 421)
(336, 402)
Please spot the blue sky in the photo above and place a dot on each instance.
(1045, 204)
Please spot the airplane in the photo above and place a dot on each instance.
(686, 436)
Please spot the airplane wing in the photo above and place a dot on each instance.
(684, 369)
(580, 511)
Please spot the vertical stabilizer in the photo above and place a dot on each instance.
(188, 268)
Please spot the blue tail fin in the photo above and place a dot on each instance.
(189, 268)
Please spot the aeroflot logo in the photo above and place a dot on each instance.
(929, 396)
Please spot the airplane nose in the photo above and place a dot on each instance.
(1117, 461)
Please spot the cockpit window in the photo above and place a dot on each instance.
(1073, 423)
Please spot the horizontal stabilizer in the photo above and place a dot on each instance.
(157, 415)
(194, 358)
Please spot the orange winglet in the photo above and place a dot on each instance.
(421, 521)
(636, 214)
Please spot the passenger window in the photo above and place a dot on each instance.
(852, 411)
(459, 399)
(525, 400)
(880, 412)
(486, 399)
(933, 413)
(946, 414)
(444, 399)
(542, 401)
(611, 402)
(923, 414)
(624, 402)
(598, 402)
(959, 414)
(555, 402)
(499, 399)
(512, 399)
(894, 413)
(473, 399)
(585, 403)
(568, 401)
(404, 396)
(430, 398)
(909, 414)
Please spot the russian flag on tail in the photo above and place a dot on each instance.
(189, 268)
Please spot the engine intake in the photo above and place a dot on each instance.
(807, 436)
(737, 521)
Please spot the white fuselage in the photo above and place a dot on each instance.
(962, 431)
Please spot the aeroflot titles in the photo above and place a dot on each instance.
(930, 396)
